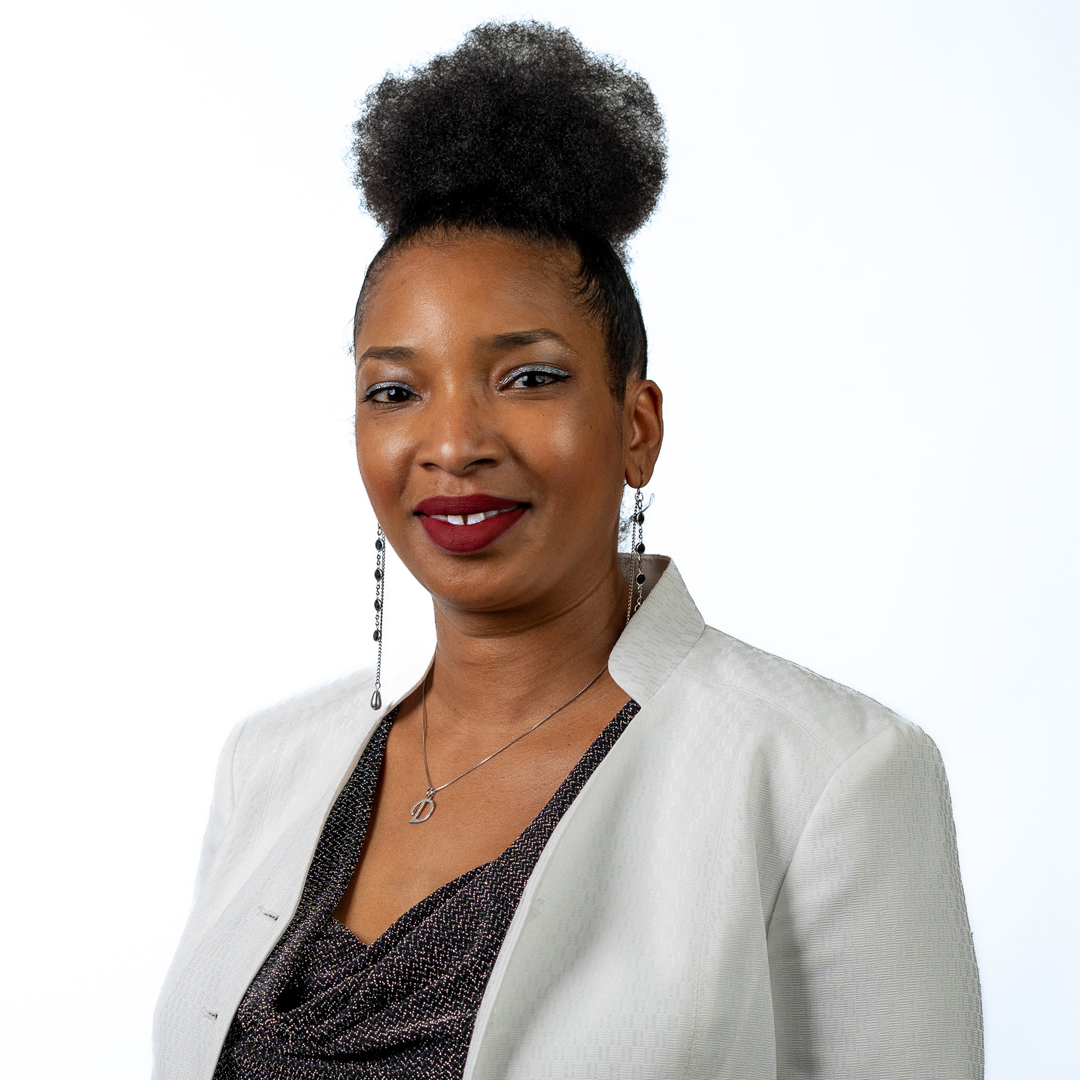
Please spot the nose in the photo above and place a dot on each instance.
(460, 435)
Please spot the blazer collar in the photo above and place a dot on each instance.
(662, 633)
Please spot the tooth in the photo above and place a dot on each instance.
(456, 519)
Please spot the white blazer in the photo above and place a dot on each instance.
(759, 881)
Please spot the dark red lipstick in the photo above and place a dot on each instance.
(445, 520)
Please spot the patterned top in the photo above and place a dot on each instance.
(325, 1006)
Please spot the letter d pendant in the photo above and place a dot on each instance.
(423, 809)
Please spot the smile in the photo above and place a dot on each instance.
(461, 524)
(469, 519)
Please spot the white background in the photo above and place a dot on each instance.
(861, 290)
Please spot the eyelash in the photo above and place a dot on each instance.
(553, 374)
(382, 388)
(550, 374)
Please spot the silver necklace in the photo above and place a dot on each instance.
(425, 807)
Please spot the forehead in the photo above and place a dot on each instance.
(461, 289)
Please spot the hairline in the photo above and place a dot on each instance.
(448, 234)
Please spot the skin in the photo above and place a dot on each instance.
(456, 395)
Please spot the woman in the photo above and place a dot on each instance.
(598, 839)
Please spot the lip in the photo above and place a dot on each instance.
(501, 515)
(465, 504)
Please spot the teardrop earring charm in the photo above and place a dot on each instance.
(380, 593)
(637, 550)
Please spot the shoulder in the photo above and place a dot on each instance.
(275, 766)
(729, 697)
(290, 743)
(771, 694)
(801, 756)
(306, 713)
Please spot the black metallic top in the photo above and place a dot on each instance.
(325, 1006)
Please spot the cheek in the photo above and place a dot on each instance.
(383, 456)
(566, 440)
(584, 455)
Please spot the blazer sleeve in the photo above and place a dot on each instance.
(871, 959)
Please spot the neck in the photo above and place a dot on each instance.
(492, 671)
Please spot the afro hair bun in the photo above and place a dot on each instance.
(520, 128)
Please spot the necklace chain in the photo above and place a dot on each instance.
(425, 807)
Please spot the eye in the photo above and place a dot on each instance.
(389, 393)
(528, 378)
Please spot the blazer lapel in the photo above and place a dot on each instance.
(662, 633)
(657, 640)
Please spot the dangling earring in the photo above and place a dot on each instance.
(637, 550)
(380, 592)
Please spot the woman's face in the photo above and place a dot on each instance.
(489, 441)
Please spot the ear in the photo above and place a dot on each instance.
(643, 429)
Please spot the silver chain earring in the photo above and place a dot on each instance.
(380, 593)
(637, 550)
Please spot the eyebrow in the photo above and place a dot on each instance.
(517, 338)
(398, 353)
